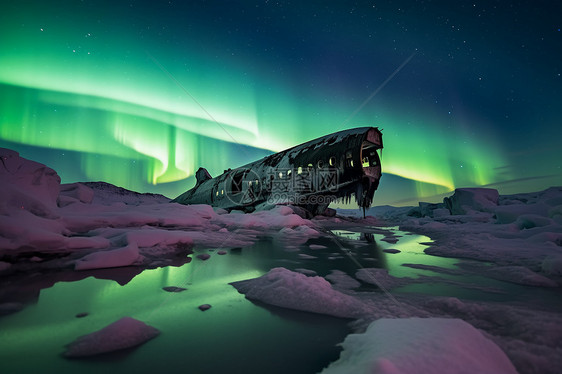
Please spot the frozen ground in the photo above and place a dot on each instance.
(46, 226)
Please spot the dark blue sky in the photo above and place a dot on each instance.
(467, 93)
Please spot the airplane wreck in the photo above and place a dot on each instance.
(310, 176)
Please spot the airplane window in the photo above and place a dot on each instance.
(365, 162)
(332, 161)
(349, 159)
(371, 157)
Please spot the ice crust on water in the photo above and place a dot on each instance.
(420, 345)
(124, 333)
(288, 289)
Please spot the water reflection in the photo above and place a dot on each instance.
(235, 335)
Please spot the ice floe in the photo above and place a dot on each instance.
(288, 289)
(516, 239)
(420, 345)
(124, 333)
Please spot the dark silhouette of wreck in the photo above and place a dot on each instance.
(309, 176)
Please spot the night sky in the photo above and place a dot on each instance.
(142, 93)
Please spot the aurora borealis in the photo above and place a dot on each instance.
(140, 94)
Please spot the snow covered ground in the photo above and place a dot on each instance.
(515, 239)
(98, 225)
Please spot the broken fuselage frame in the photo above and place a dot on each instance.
(309, 175)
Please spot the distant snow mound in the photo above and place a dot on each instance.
(288, 289)
(107, 194)
(124, 333)
(465, 200)
(74, 192)
(420, 345)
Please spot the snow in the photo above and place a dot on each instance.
(27, 185)
(124, 333)
(125, 256)
(520, 275)
(293, 290)
(420, 345)
(515, 239)
(74, 192)
(340, 280)
(104, 226)
(466, 200)
(516, 230)
(380, 277)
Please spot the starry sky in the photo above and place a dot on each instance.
(142, 93)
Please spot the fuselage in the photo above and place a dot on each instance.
(309, 175)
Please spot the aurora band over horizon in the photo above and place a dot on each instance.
(128, 121)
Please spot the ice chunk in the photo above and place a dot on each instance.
(529, 221)
(341, 280)
(510, 213)
(124, 333)
(420, 345)
(288, 289)
(204, 307)
(317, 246)
(27, 185)
(109, 259)
(150, 237)
(78, 191)
(380, 278)
(465, 200)
(304, 256)
(520, 275)
(306, 271)
(391, 250)
(174, 289)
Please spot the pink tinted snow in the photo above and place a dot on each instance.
(125, 256)
(27, 184)
(117, 226)
(292, 290)
(465, 200)
(124, 333)
(420, 346)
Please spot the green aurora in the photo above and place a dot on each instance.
(143, 107)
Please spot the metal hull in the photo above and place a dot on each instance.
(309, 175)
